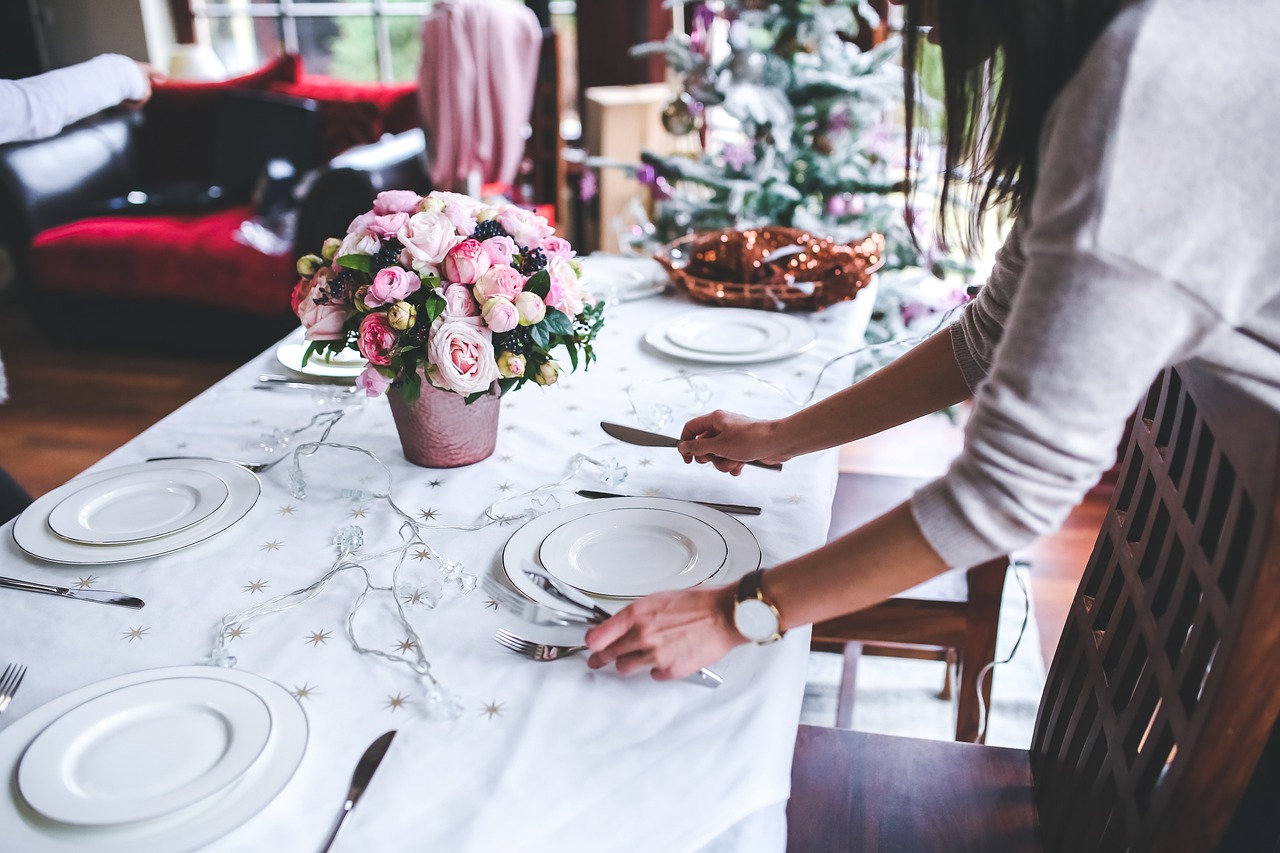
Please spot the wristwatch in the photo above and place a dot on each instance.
(756, 618)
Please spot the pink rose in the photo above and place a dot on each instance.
(438, 200)
(387, 225)
(511, 365)
(557, 247)
(499, 281)
(428, 237)
(360, 224)
(465, 262)
(391, 284)
(462, 217)
(458, 303)
(531, 307)
(525, 227)
(322, 322)
(461, 356)
(566, 293)
(396, 201)
(377, 339)
(500, 249)
(500, 315)
(372, 382)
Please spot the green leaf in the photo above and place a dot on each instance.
(539, 283)
(361, 263)
(540, 334)
(509, 385)
(573, 355)
(556, 322)
(432, 308)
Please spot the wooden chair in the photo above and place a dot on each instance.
(1163, 691)
(953, 617)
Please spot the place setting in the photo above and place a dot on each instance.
(731, 336)
(136, 511)
(163, 759)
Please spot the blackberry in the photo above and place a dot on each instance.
(487, 230)
(388, 255)
(516, 341)
(532, 260)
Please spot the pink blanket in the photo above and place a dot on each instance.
(476, 85)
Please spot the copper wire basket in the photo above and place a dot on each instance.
(772, 267)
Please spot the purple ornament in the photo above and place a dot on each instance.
(738, 155)
(646, 174)
(588, 186)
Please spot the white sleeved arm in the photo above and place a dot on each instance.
(41, 106)
(975, 336)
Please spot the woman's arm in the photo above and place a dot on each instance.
(924, 380)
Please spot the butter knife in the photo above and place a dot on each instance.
(631, 435)
(360, 780)
(739, 509)
(99, 596)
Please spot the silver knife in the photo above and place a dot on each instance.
(99, 596)
(740, 509)
(272, 383)
(360, 780)
(631, 435)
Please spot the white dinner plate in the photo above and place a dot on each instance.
(622, 278)
(747, 333)
(138, 506)
(347, 364)
(626, 553)
(24, 829)
(731, 336)
(144, 751)
(31, 530)
(522, 548)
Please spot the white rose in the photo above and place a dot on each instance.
(359, 243)
(565, 283)
(428, 237)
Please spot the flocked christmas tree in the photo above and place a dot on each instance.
(797, 124)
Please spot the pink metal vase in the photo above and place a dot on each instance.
(440, 430)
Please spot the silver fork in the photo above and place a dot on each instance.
(533, 650)
(10, 680)
(551, 651)
(255, 467)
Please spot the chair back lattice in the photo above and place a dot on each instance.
(1166, 682)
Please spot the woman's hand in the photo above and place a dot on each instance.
(673, 634)
(729, 441)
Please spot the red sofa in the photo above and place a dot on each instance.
(182, 278)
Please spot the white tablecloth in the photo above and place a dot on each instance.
(544, 757)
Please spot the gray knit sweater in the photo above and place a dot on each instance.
(1153, 238)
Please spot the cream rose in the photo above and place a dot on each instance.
(428, 237)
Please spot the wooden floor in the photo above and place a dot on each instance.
(68, 409)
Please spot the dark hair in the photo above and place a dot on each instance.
(1003, 64)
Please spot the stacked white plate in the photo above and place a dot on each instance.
(731, 336)
(161, 760)
(136, 511)
(347, 364)
(623, 548)
(622, 278)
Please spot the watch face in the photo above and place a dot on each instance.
(755, 620)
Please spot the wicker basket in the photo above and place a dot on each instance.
(772, 268)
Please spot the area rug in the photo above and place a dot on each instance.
(901, 696)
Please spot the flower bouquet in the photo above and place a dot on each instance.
(448, 288)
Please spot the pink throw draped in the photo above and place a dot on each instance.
(476, 86)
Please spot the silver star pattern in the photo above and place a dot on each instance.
(319, 637)
(287, 509)
(135, 634)
(256, 586)
(85, 583)
(359, 512)
(306, 691)
(492, 709)
(273, 545)
(396, 702)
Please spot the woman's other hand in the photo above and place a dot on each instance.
(728, 441)
(672, 634)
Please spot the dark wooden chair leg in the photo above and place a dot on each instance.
(982, 619)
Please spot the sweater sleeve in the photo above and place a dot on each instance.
(41, 106)
(975, 336)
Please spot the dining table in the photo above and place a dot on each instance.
(367, 592)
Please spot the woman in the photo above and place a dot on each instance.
(1132, 141)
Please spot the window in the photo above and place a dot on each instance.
(358, 40)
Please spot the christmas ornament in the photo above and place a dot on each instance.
(680, 116)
